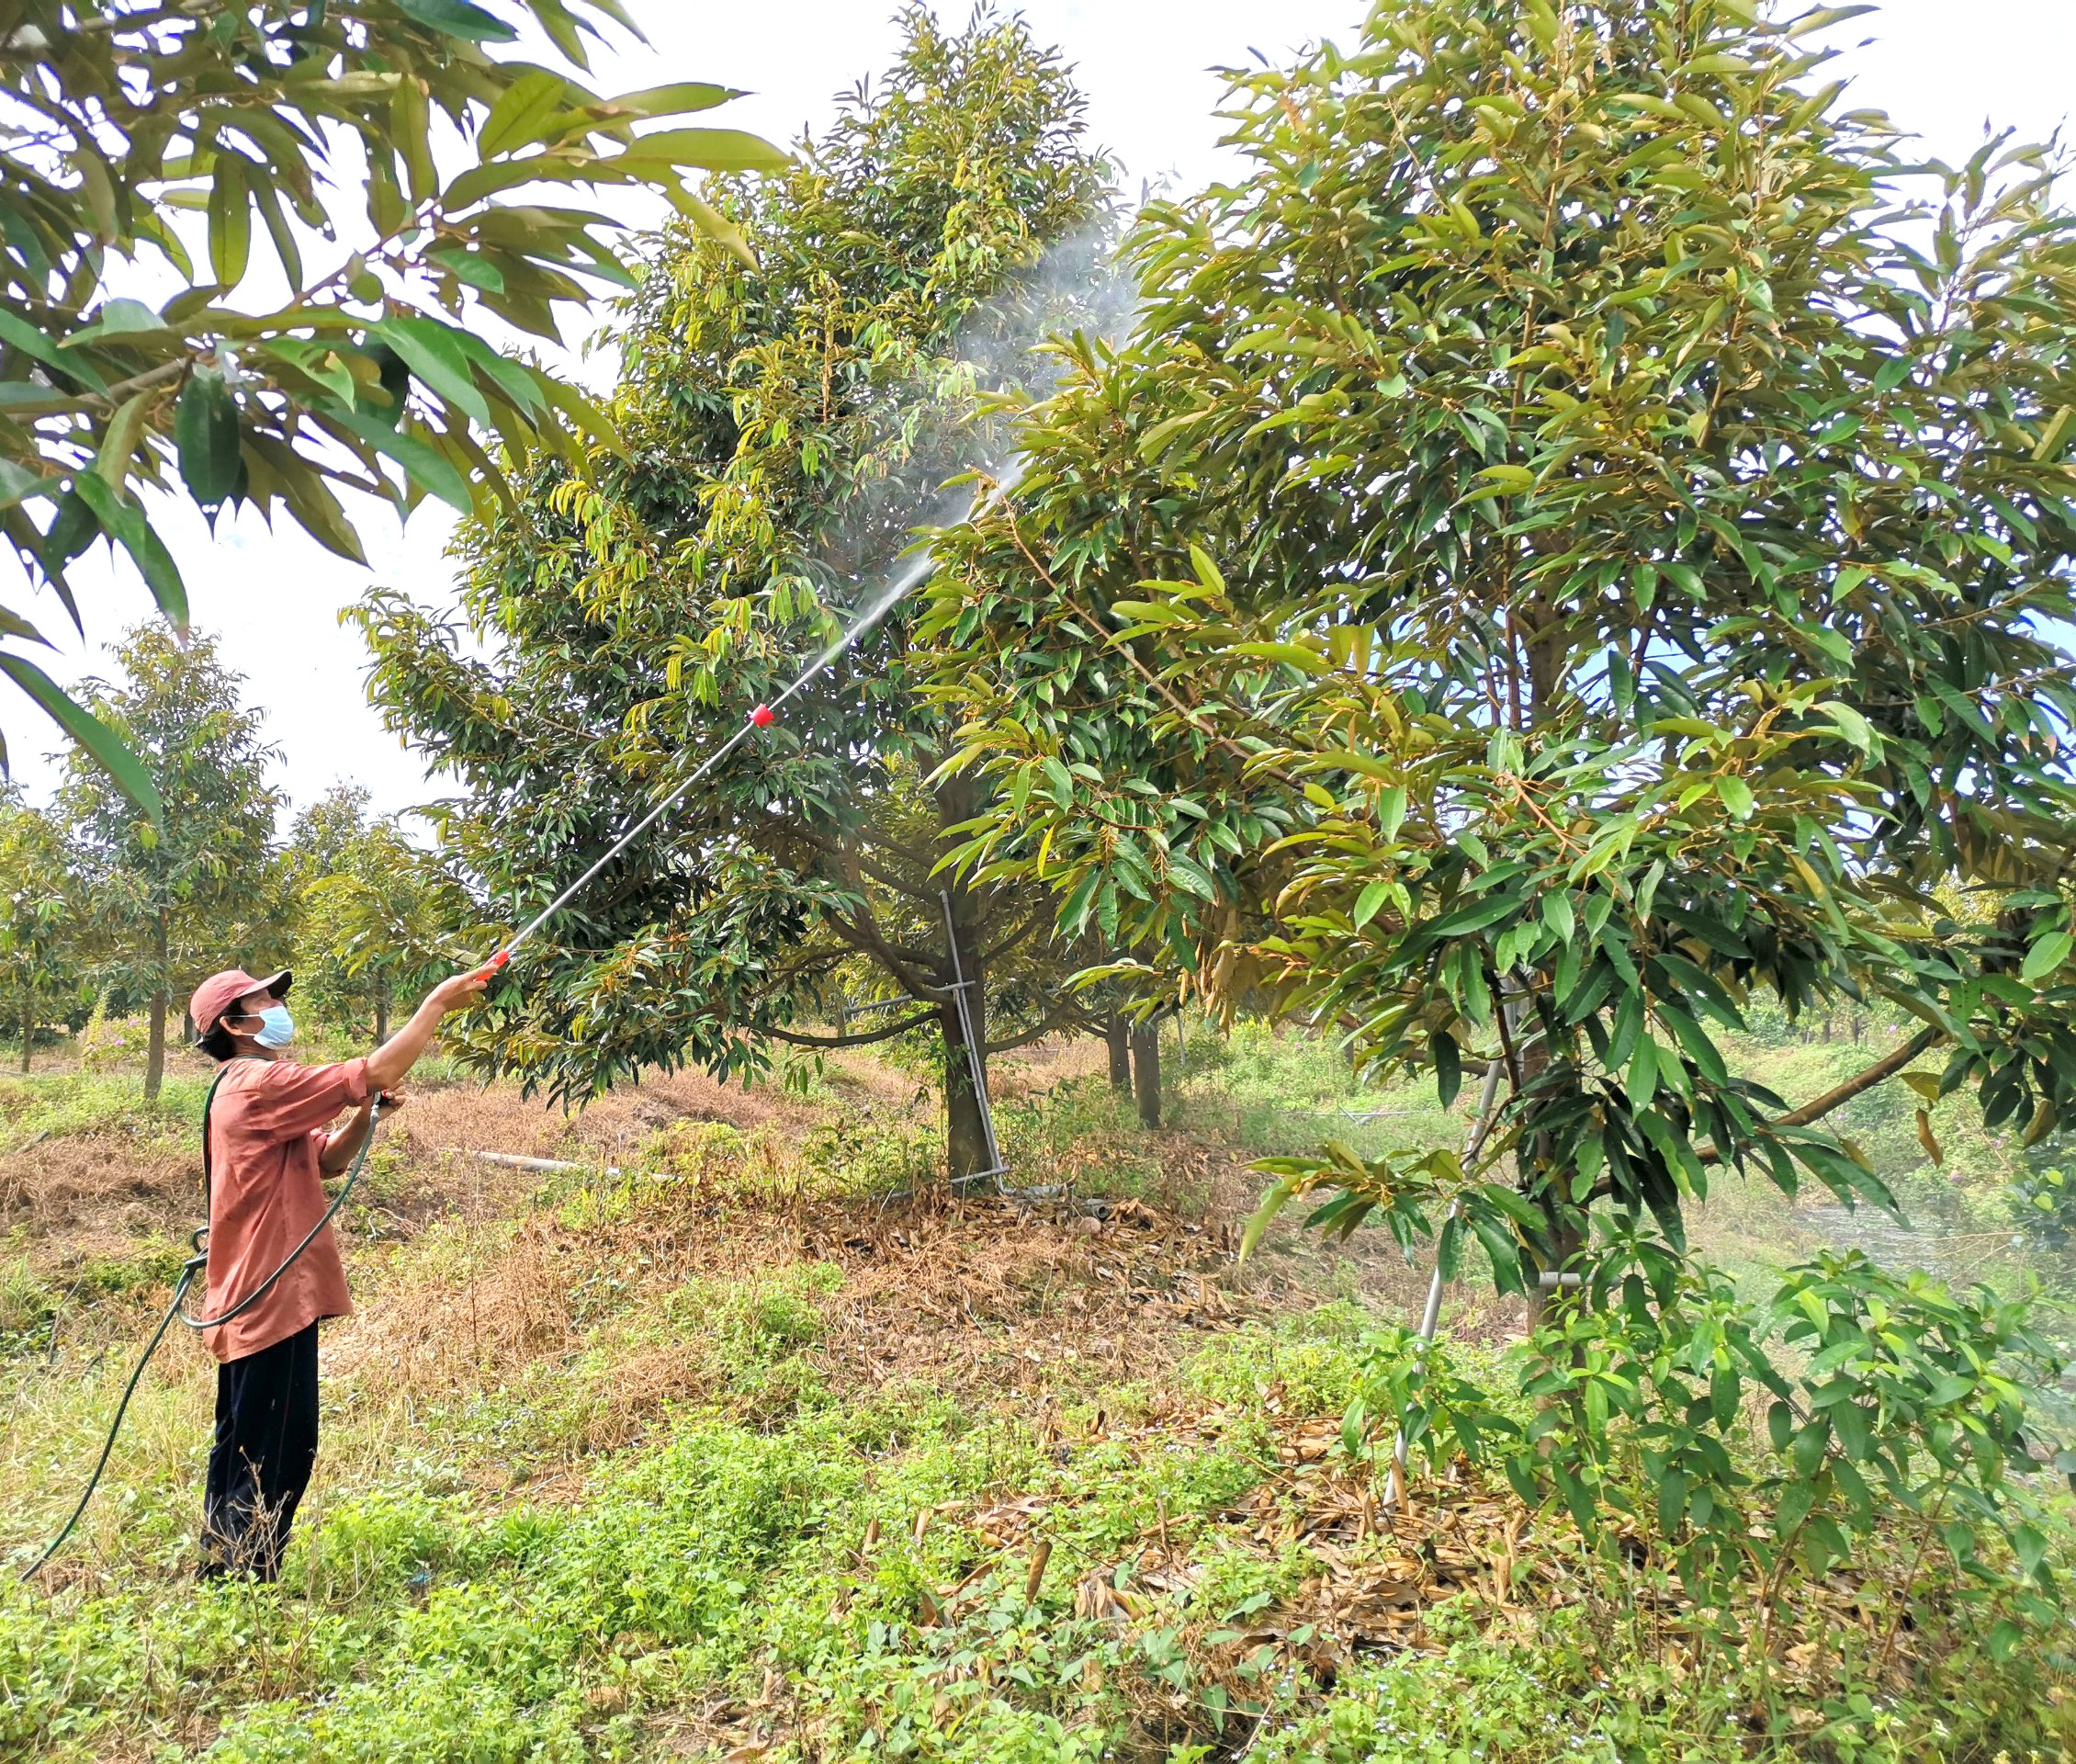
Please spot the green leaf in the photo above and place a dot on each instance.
(90, 732)
(72, 528)
(523, 109)
(715, 225)
(118, 445)
(1736, 794)
(1477, 916)
(13, 624)
(124, 521)
(26, 337)
(519, 387)
(1853, 727)
(432, 351)
(267, 200)
(18, 483)
(424, 464)
(469, 266)
(674, 100)
(395, 379)
(1642, 1074)
(1448, 1068)
(712, 150)
(458, 18)
(1272, 1202)
(117, 318)
(2047, 955)
(231, 221)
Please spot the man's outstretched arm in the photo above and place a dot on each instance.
(389, 1063)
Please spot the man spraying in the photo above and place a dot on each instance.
(266, 1146)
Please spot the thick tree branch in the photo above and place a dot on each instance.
(1015, 937)
(865, 934)
(878, 872)
(885, 1032)
(1887, 1066)
(1065, 1018)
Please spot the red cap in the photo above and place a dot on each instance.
(220, 992)
(763, 716)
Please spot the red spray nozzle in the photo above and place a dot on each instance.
(497, 961)
(762, 717)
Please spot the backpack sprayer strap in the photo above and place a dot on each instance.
(199, 1240)
(200, 1257)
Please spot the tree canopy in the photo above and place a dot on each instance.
(787, 427)
(43, 917)
(199, 889)
(1579, 542)
(375, 913)
(352, 361)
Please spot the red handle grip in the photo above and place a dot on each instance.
(762, 717)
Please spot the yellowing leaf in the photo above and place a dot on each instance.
(1926, 1139)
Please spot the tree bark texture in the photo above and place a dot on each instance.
(1145, 1072)
(1117, 1032)
(965, 1137)
(154, 1052)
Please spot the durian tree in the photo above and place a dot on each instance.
(1578, 542)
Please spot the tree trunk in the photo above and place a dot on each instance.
(1146, 1071)
(28, 1031)
(154, 1049)
(965, 1135)
(154, 1052)
(1118, 1034)
(382, 1011)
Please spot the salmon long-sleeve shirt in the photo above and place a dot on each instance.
(266, 1133)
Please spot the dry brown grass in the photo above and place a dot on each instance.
(94, 1188)
(471, 1278)
(983, 1294)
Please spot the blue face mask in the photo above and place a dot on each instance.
(277, 1028)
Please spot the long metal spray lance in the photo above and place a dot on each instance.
(762, 717)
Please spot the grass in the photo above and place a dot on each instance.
(728, 1458)
(66, 1103)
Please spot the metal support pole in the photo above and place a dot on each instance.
(976, 1060)
(1430, 1317)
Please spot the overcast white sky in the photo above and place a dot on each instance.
(1941, 69)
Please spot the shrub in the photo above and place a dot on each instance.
(1892, 1409)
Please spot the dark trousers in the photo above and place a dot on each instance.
(260, 1463)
